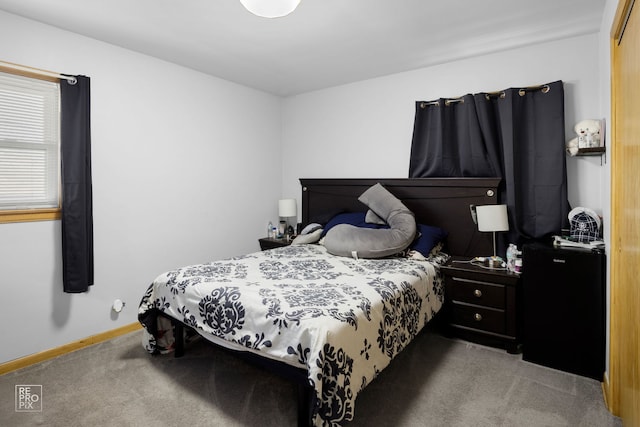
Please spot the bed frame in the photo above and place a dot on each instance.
(442, 202)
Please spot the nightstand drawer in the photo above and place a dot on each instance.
(476, 317)
(476, 292)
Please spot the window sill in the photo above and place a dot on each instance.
(30, 215)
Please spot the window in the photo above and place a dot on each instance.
(29, 148)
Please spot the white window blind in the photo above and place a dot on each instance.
(29, 143)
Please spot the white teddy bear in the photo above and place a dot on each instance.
(588, 136)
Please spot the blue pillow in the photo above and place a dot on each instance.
(353, 218)
(428, 237)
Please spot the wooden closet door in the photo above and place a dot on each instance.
(624, 368)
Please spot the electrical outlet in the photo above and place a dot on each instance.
(118, 305)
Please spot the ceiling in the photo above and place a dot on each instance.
(323, 43)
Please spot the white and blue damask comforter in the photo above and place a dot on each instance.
(341, 319)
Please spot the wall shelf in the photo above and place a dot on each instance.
(592, 151)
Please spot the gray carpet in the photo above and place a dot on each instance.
(434, 382)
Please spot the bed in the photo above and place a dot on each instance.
(329, 322)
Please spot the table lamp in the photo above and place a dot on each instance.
(287, 208)
(493, 218)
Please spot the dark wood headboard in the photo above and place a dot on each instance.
(442, 202)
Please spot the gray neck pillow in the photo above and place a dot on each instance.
(351, 241)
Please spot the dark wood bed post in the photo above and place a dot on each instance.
(178, 336)
(306, 401)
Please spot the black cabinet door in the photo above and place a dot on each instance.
(564, 309)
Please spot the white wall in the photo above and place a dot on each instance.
(186, 169)
(364, 129)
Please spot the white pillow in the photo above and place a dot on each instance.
(312, 237)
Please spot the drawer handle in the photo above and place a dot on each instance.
(477, 317)
(477, 293)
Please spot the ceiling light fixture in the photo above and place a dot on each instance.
(270, 8)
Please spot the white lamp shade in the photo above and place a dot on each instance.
(492, 218)
(287, 208)
(270, 8)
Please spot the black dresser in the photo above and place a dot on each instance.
(563, 298)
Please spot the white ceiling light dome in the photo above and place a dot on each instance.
(270, 8)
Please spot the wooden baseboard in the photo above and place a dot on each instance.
(606, 390)
(32, 359)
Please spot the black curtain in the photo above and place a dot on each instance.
(77, 200)
(517, 135)
(448, 141)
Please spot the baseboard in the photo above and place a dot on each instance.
(32, 359)
(606, 390)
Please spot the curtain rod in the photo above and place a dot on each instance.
(447, 102)
(543, 88)
(501, 94)
(29, 70)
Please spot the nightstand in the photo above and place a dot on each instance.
(270, 243)
(481, 304)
